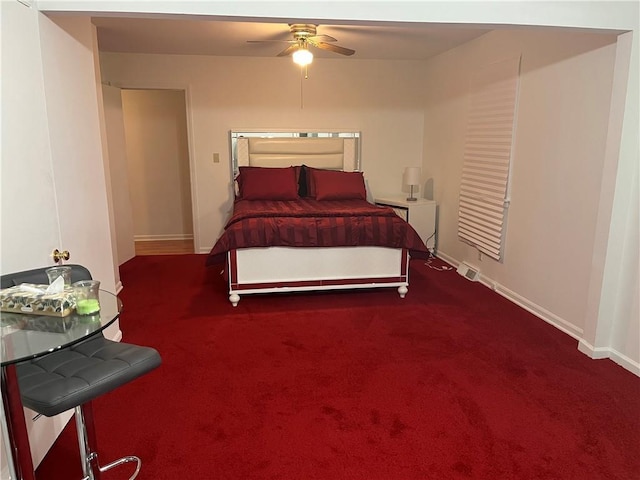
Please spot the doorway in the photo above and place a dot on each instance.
(155, 127)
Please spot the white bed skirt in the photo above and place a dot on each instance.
(295, 269)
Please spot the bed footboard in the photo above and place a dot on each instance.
(288, 269)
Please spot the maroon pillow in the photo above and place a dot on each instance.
(333, 185)
(311, 186)
(310, 180)
(258, 183)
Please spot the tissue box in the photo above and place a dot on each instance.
(18, 300)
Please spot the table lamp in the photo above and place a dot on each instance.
(411, 177)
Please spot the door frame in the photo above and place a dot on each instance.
(190, 142)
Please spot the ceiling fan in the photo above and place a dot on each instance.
(304, 35)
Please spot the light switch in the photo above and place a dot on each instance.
(216, 158)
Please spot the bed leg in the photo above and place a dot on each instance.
(234, 298)
(402, 290)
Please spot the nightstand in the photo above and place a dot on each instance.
(420, 214)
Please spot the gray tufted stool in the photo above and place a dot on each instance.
(73, 377)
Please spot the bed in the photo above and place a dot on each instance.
(302, 222)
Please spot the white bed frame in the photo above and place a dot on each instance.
(295, 269)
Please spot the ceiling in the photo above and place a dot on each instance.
(229, 38)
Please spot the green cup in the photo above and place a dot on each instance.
(87, 296)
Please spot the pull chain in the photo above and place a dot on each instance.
(302, 79)
(304, 75)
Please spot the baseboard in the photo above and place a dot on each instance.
(446, 258)
(552, 319)
(156, 238)
(605, 352)
(537, 310)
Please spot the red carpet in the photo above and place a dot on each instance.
(453, 382)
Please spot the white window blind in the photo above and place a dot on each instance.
(484, 187)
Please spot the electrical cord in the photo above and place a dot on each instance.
(443, 268)
(426, 242)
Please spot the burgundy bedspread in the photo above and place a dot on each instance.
(307, 222)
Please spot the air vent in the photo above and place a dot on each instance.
(469, 272)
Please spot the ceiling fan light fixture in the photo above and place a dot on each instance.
(302, 57)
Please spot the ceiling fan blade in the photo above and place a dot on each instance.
(321, 38)
(271, 41)
(333, 48)
(289, 50)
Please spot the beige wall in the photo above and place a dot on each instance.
(560, 139)
(381, 99)
(158, 164)
(117, 154)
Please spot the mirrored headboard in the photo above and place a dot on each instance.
(328, 150)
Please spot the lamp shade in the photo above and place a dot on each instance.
(411, 176)
(302, 57)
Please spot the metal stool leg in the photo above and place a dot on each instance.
(91, 469)
(120, 461)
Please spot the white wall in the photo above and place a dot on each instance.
(25, 149)
(74, 127)
(54, 192)
(117, 154)
(563, 181)
(613, 321)
(225, 93)
(560, 137)
(158, 164)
